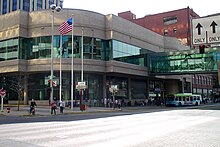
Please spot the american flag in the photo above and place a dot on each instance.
(66, 27)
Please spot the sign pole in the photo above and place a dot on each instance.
(2, 94)
(2, 103)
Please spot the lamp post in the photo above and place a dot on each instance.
(53, 8)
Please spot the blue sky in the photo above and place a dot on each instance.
(143, 7)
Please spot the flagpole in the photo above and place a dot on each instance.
(72, 66)
(81, 90)
(61, 40)
(82, 58)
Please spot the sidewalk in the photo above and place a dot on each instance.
(45, 110)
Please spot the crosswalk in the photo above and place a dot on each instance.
(118, 131)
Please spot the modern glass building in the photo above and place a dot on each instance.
(114, 53)
(7, 6)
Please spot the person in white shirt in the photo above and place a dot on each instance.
(62, 105)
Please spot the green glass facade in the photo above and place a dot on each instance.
(184, 62)
(94, 48)
(99, 49)
(9, 49)
(40, 47)
(128, 53)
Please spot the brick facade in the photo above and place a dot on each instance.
(173, 23)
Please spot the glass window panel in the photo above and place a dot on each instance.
(39, 4)
(14, 5)
(26, 5)
(138, 89)
(4, 7)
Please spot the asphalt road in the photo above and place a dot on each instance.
(83, 116)
(184, 127)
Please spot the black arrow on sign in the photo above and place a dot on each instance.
(199, 26)
(213, 25)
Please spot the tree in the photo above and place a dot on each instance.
(113, 89)
(16, 84)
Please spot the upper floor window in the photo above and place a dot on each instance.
(39, 4)
(14, 5)
(26, 5)
(169, 20)
(51, 2)
(165, 32)
(174, 30)
(4, 7)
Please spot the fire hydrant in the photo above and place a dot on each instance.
(8, 109)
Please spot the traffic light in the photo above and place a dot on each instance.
(201, 49)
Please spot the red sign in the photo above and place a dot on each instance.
(54, 83)
(2, 92)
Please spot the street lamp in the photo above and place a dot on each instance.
(53, 8)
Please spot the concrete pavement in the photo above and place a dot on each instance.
(45, 110)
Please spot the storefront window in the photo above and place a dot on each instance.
(93, 92)
(138, 89)
(122, 84)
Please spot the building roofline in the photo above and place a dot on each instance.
(171, 11)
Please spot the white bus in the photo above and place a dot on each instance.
(183, 99)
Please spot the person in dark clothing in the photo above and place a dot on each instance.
(53, 107)
(32, 106)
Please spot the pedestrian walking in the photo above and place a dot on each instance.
(53, 107)
(62, 105)
(105, 102)
(116, 104)
(32, 107)
(119, 104)
(95, 102)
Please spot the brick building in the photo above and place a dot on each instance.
(174, 23)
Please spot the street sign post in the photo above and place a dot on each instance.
(81, 85)
(206, 30)
(2, 94)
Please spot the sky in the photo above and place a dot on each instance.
(144, 7)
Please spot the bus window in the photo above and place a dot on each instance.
(177, 98)
(194, 98)
(170, 98)
(187, 98)
(191, 98)
(184, 98)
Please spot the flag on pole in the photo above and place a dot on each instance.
(66, 27)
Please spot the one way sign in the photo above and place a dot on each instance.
(206, 30)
